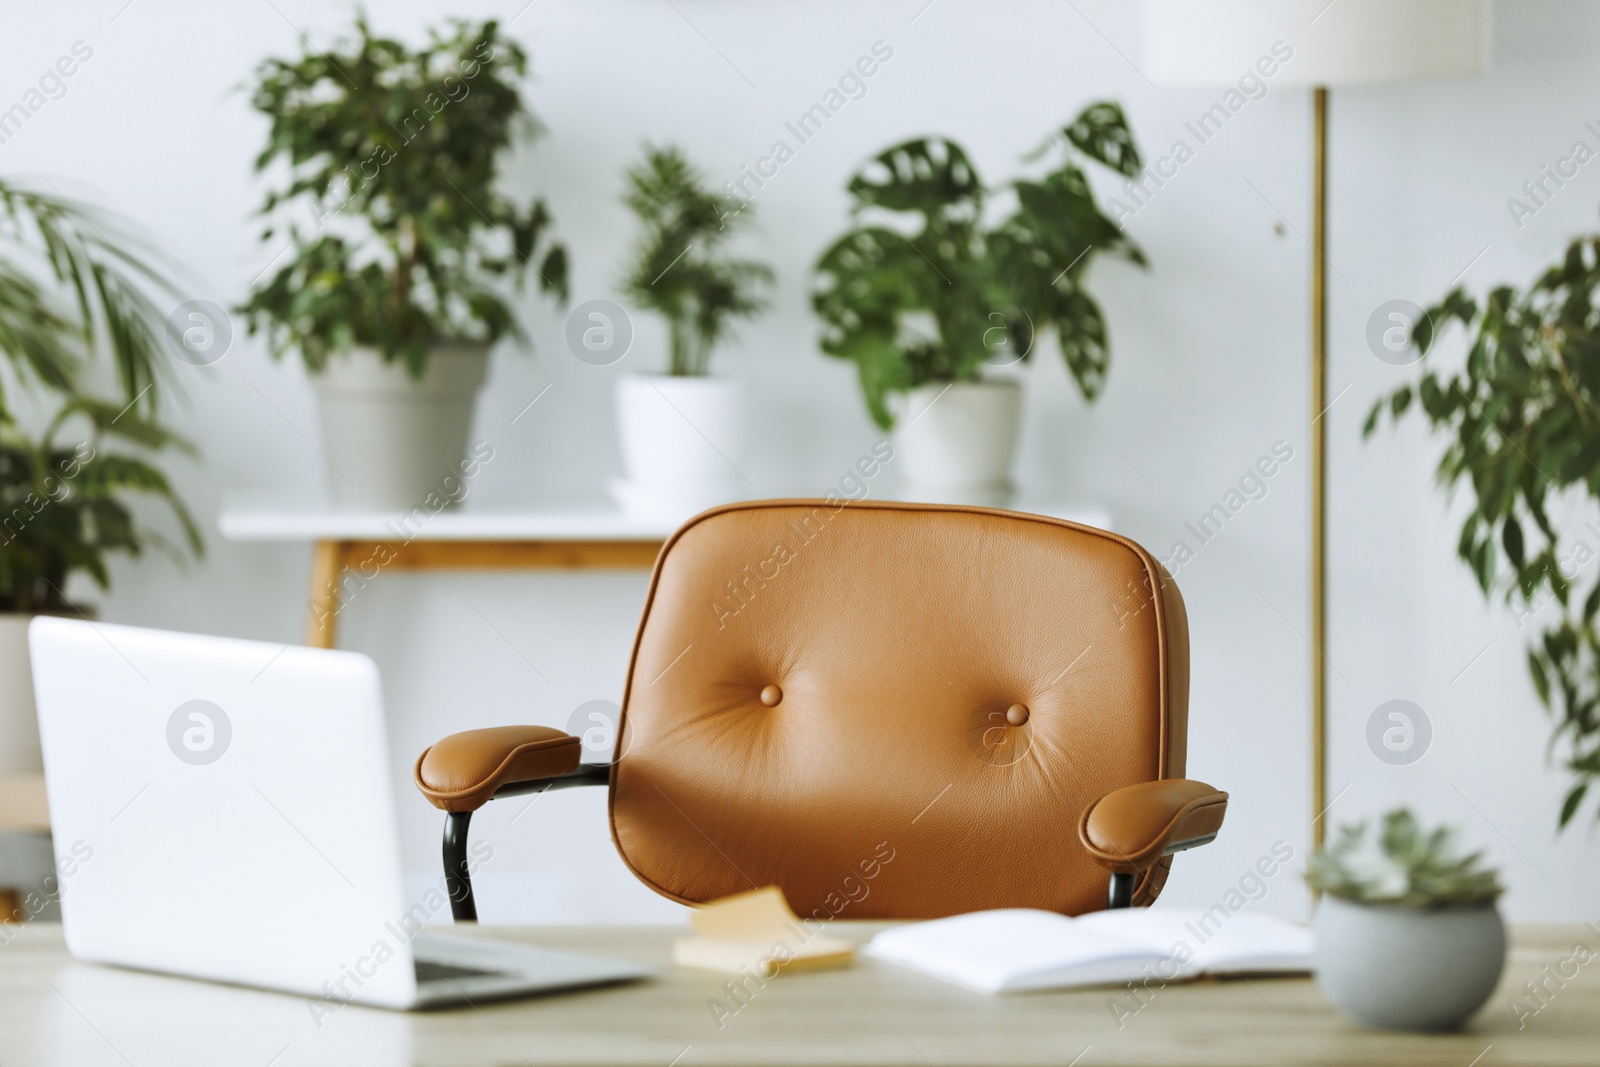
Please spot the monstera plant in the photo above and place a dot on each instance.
(1522, 417)
(930, 291)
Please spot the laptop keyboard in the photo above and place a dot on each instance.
(434, 971)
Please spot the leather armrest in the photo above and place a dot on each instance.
(462, 772)
(1129, 829)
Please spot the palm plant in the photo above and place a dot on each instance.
(63, 506)
(49, 244)
(678, 269)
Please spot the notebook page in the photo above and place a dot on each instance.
(1011, 950)
(1192, 942)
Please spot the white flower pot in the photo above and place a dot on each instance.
(680, 440)
(1398, 968)
(392, 439)
(19, 725)
(955, 444)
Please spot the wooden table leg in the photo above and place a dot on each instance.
(327, 561)
(331, 559)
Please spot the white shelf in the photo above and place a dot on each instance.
(277, 522)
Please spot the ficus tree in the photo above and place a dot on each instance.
(386, 200)
(1521, 415)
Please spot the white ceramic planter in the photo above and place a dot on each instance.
(392, 439)
(680, 438)
(19, 725)
(1396, 968)
(955, 444)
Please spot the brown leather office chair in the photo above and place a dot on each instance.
(887, 710)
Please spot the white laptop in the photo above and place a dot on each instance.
(223, 809)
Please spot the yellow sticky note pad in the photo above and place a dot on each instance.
(757, 933)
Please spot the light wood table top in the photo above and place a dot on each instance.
(56, 1011)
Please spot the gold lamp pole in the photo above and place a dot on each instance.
(1315, 44)
(1319, 461)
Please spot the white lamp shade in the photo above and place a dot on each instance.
(1342, 42)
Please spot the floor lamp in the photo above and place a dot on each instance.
(1245, 44)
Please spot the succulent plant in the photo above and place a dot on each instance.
(1401, 864)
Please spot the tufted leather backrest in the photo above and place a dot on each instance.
(819, 699)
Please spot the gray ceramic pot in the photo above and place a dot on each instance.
(393, 440)
(1397, 968)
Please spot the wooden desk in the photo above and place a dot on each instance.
(54, 1011)
(356, 547)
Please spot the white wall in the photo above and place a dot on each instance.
(1208, 373)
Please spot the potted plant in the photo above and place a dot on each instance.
(72, 284)
(926, 311)
(673, 426)
(1522, 415)
(1408, 935)
(385, 206)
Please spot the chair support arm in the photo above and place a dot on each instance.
(463, 771)
(586, 774)
(457, 867)
(1130, 829)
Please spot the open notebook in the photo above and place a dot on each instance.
(1017, 949)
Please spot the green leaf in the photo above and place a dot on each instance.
(931, 176)
(1371, 423)
(1511, 541)
(1081, 331)
(1483, 561)
(1569, 806)
(1101, 132)
(1541, 681)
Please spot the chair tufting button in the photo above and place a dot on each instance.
(771, 695)
(1017, 714)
